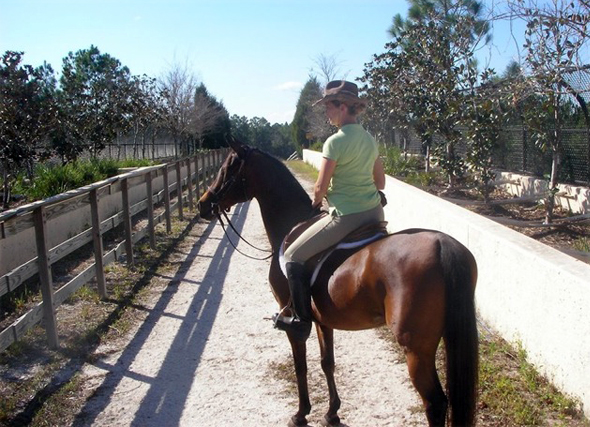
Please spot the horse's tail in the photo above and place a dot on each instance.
(460, 334)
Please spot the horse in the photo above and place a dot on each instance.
(420, 283)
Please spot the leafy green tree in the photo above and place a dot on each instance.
(94, 101)
(281, 144)
(449, 13)
(420, 81)
(210, 123)
(427, 71)
(302, 130)
(553, 49)
(258, 132)
(483, 117)
(146, 112)
(26, 116)
(240, 128)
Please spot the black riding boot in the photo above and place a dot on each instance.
(299, 286)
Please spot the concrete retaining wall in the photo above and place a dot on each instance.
(570, 197)
(532, 294)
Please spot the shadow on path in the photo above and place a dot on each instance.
(163, 404)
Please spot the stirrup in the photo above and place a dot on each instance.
(280, 321)
(300, 329)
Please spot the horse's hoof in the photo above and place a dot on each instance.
(331, 421)
(296, 421)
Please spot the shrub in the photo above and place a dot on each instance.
(50, 180)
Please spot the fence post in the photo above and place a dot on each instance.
(167, 200)
(45, 277)
(209, 168)
(150, 209)
(197, 176)
(97, 242)
(127, 221)
(179, 189)
(189, 184)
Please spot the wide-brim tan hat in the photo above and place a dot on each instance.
(343, 91)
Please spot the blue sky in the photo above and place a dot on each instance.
(254, 55)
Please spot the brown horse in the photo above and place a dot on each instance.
(419, 283)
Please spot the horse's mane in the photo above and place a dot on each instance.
(278, 172)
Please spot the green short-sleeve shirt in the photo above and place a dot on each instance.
(352, 187)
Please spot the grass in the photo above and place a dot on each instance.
(512, 392)
(582, 244)
(41, 387)
(299, 167)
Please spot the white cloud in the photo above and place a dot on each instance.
(288, 86)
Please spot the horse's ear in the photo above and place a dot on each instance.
(237, 146)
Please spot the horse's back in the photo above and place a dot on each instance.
(389, 280)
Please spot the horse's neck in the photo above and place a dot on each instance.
(278, 222)
(281, 207)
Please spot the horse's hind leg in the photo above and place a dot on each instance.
(422, 369)
(300, 360)
(326, 339)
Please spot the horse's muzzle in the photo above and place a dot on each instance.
(207, 210)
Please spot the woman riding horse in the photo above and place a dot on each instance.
(350, 176)
(420, 283)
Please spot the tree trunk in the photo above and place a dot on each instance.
(5, 189)
(555, 145)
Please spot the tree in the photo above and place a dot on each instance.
(328, 68)
(26, 116)
(426, 72)
(258, 132)
(209, 122)
(420, 79)
(305, 125)
(449, 13)
(94, 102)
(147, 111)
(240, 128)
(482, 118)
(178, 86)
(553, 46)
(281, 144)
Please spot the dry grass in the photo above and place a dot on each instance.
(41, 387)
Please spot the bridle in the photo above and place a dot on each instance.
(217, 196)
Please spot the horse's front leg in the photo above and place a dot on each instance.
(326, 339)
(300, 360)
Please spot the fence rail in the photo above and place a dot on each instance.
(150, 186)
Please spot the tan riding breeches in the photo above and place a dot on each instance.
(327, 232)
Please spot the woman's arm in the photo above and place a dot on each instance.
(379, 174)
(323, 182)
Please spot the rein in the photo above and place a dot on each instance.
(218, 195)
(242, 238)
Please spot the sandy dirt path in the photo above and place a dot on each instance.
(206, 353)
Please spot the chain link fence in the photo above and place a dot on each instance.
(516, 152)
